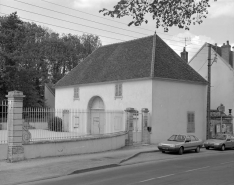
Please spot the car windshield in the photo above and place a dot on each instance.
(178, 138)
(221, 137)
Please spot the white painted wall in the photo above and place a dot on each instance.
(136, 94)
(222, 78)
(171, 102)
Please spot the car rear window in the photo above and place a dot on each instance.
(194, 138)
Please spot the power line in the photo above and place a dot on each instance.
(77, 17)
(95, 21)
(68, 21)
(68, 28)
(80, 31)
(92, 14)
(84, 25)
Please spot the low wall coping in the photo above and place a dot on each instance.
(87, 137)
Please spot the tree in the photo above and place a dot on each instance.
(20, 58)
(31, 56)
(166, 13)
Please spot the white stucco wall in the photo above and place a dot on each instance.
(136, 94)
(222, 78)
(171, 102)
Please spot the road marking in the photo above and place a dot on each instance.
(165, 176)
(147, 180)
(227, 162)
(197, 169)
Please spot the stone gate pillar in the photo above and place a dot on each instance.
(129, 125)
(15, 126)
(145, 132)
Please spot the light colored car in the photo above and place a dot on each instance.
(181, 143)
(221, 141)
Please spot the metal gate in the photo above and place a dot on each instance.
(137, 127)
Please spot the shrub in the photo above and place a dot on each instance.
(55, 124)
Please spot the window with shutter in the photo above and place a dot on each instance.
(118, 90)
(76, 93)
(190, 122)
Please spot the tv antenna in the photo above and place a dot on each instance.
(186, 40)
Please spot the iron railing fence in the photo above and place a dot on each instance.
(58, 124)
(3, 121)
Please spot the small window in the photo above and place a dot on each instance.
(76, 93)
(118, 90)
(191, 122)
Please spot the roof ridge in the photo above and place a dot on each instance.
(153, 55)
(126, 41)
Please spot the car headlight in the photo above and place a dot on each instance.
(159, 144)
(172, 145)
(217, 144)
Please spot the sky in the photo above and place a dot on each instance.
(82, 16)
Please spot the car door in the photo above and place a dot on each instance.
(232, 141)
(228, 142)
(194, 142)
(188, 144)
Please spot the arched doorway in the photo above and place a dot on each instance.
(97, 116)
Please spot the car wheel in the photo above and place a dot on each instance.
(163, 151)
(223, 147)
(207, 148)
(197, 149)
(181, 150)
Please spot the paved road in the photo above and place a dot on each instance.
(205, 168)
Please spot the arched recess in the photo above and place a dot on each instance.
(96, 123)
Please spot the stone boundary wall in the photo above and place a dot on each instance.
(86, 145)
(3, 151)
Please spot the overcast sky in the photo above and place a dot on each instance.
(82, 16)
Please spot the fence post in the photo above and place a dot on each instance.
(145, 131)
(129, 140)
(14, 125)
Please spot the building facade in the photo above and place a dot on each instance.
(142, 73)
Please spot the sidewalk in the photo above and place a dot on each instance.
(45, 168)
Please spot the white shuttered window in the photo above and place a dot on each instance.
(191, 122)
(76, 93)
(118, 90)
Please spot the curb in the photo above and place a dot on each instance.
(134, 155)
(86, 169)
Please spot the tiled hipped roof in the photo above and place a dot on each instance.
(130, 60)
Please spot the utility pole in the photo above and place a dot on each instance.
(208, 93)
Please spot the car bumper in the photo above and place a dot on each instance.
(212, 146)
(171, 149)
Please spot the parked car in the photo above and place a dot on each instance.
(181, 143)
(221, 141)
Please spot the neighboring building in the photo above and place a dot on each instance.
(141, 73)
(49, 95)
(222, 73)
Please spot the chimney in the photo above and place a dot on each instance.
(225, 52)
(184, 55)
